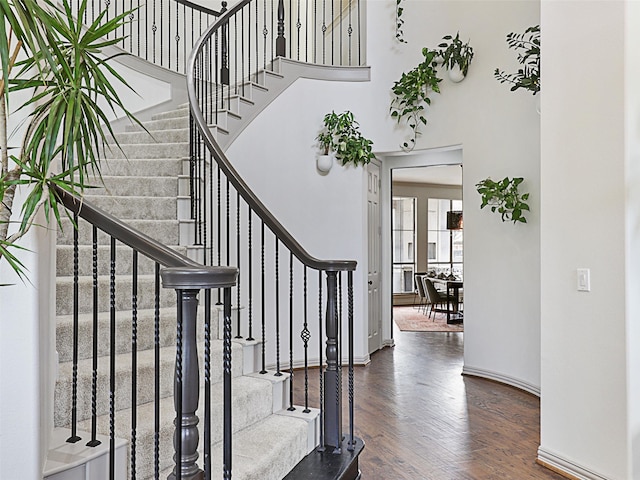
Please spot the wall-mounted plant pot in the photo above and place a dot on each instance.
(455, 74)
(324, 163)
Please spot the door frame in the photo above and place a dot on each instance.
(420, 158)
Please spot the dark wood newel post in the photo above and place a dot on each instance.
(187, 390)
(188, 281)
(224, 67)
(333, 402)
(281, 42)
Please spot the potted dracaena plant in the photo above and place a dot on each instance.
(70, 88)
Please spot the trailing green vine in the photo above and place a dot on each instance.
(412, 91)
(341, 134)
(399, 22)
(505, 198)
(527, 77)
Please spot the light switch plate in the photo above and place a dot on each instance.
(584, 280)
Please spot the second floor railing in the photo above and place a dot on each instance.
(163, 32)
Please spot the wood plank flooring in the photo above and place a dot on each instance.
(420, 419)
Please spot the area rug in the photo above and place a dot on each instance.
(410, 319)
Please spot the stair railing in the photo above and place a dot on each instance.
(236, 228)
(177, 272)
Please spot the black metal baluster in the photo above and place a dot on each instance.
(242, 50)
(291, 408)
(306, 336)
(238, 284)
(350, 31)
(112, 363)
(154, 30)
(263, 318)
(228, 223)
(250, 268)
(324, 31)
(265, 32)
(277, 272)
(156, 344)
(211, 210)
(249, 48)
(350, 333)
(298, 26)
(131, 17)
(161, 34)
(94, 370)
(227, 432)
(219, 248)
(134, 364)
(177, 37)
(224, 71)
(340, 33)
(333, 30)
(315, 31)
(74, 381)
(207, 384)
(281, 43)
(257, 41)
(320, 366)
(235, 50)
(306, 31)
(359, 36)
(271, 29)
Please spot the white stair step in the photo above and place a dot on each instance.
(141, 167)
(148, 186)
(149, 150)
(152, 136)
(164, 124)
(177, 113)
(131, 208)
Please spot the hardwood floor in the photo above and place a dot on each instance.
(421, 419)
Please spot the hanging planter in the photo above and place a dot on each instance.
(456, 75)
(504, 197)
(341, 136)
(324, 163)
(456, 57)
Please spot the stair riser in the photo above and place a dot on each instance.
(142, 167)
(124, 265)
(157, 125)
(177, 135)
(146, 299)
(128, 208)
(178, 113)
(138, 186)
(152, 150)
(165, 231)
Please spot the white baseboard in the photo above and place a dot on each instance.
(566, 467)
(499, 377)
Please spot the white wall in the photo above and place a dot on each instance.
(584, 411)
(499, 134)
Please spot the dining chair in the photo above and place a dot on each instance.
(434, 297)
(422, 296)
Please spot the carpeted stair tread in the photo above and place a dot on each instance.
(145, 380)
(124, 265)
(145, 332)
(171, 135)
(140, 167)
(140, 186)
(251, 403)
(145, 299)
(136, 207)
(148, 150)
(162, 124)
(165, 231)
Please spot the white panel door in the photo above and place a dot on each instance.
(374, 256)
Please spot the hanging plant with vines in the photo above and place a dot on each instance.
(399, 22)
(505, 198)
(411, 93)
(528, 46)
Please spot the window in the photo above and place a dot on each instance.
(444, 247)
(404, 239)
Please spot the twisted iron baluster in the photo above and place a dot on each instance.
(306, 336)
(207, 384)
(227, 431)
(250, 280)
(264, 369)
(94, 371)
(74, 382)
(321, 447)
(350, 320)
(112, 363)
(278, 372)
(291, 408)
(134, 363)
(238, 334)
(156, 343)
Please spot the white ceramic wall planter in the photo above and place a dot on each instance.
(324, 163)
(455, 74)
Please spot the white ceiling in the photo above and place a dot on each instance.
(435, 175)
